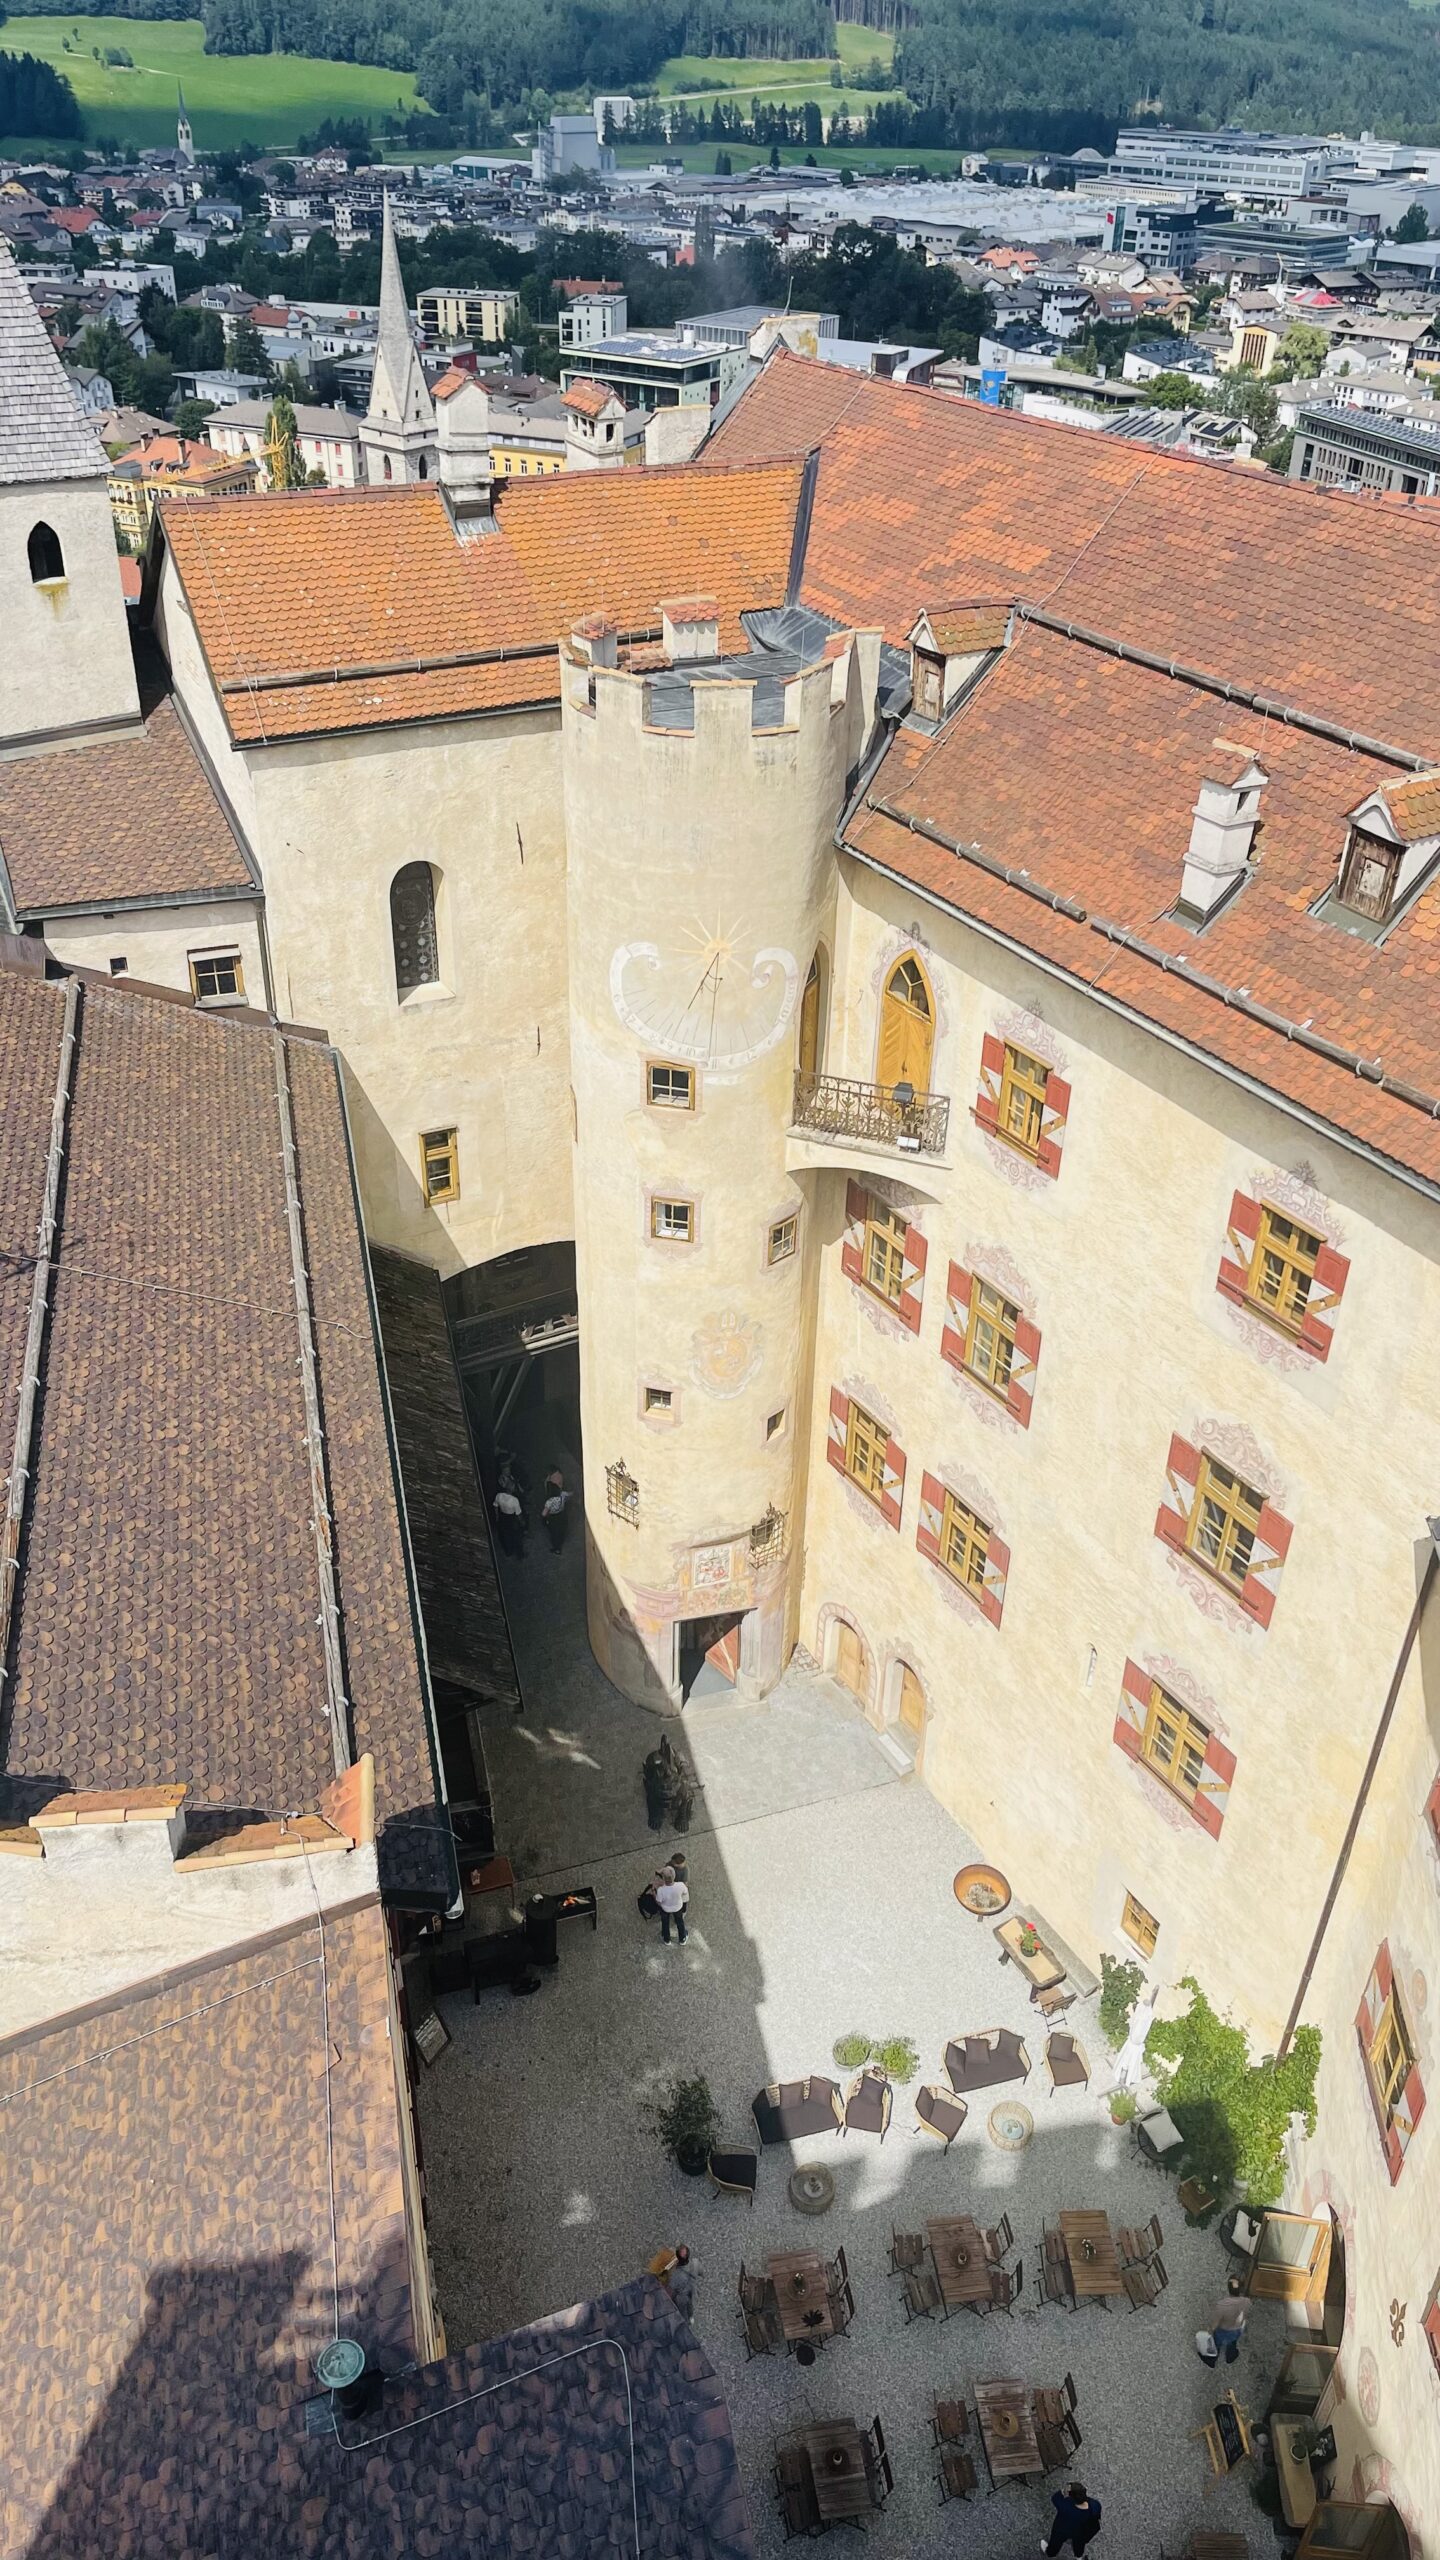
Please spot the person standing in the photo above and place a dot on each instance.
(553, 1509)
(1077, 2520)
(672, 1897)
(1227, 2327)
(676, 2271)
(509, 1519)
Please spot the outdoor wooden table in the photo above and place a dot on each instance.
(1042, 1970)
(970, 2283)
(842, 2487)
(1007, 2430)
(794, 2301)
(1094, 2258)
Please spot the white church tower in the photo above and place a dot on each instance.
(184, 140)
(398, 434)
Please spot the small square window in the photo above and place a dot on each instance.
(782, 1239)
(440, 1165)
(659, 1400)
(775, 1424)
(673, 1221)
(670, 1088)
(216, 977)
(1139, 1925)
(118, 965)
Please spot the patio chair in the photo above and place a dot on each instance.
(838, 2277)
(1052, 2408)
(868, 2103)
(754, 2291)
(842, 2310)
(1137, 2244)
(999, 2240)
(1050, 2003)
(939, 2112)
(734, 2173)
(877, 2463)
(1056, 2288)
(907, 2250)
(792, 2468)
(800, 2510)
(922, 2294)
(950, 2420)
(1003, 2289)
(1143, 2285)
(957, 2474)
(1066, 2063)
(1054, 2451)
(762, 2331)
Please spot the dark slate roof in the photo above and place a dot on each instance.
(166, 1618)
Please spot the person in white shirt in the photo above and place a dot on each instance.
(552, 1509)
(672, 1897)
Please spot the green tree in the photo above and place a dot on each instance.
(282, 445)
(247, 355)
(190, 417)
(1301, 352)
(1172, 391)
(1414, 224)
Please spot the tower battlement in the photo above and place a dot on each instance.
(668, 689)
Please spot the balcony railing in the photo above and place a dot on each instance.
(880, 1115)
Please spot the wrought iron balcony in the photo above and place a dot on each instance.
(880, 1115)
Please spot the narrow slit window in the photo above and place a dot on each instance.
(412, 928)
(1140, 1926)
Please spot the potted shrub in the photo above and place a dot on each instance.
(1029, 1940)
(1123, 2108)
(851, 2051)
(897, 2057)
(687, 2124)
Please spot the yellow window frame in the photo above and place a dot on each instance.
(672, 1221)
(1224, 1520)
(989, 1353)
(1140, 1926)
(216, 963)
(668, 1087)
(783, 1237)
(1391, 2057)
(964, 1542)
(1174, 1743)
(865, 1444)
(1020, 1114)
(440, 1166)
(884, 1264)
(1282, 1269)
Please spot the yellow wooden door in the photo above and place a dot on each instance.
(907, 1028)
(810, 1022)
(912, 1703)
(849, 1660)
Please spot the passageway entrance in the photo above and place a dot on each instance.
(707, 1655)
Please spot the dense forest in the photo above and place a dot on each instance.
(34, 99)
(1042, 73)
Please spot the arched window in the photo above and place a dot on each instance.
(907, 1027)
(47, 560)
(811, 1012)
(412, 927)
(424, 467)
(389, 468)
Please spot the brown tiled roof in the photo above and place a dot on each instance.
(376, 582)
(166, 1618)
(132, 817)
(1083, 769)
(588, 399)
(961, 629)
(1414, 807)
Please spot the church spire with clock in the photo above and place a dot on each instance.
(184, 140)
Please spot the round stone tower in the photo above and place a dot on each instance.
(701, 797)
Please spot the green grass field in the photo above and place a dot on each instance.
(699, 157)
(698, 77)
(231, 97)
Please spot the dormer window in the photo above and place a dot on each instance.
(1368, 875)
(928, 685)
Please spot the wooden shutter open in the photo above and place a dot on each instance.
(1242, 1230)
(991, 1594)
(1182, 1474)
(852, 1251)
(1211, 1800)
(1430, 2329)
(932, 1514)
(892, 1497)
(912, 1280)
(1053, 1117)
(1020, 1393)
(839, 1428)
(957, 1316)
(992, 1068)
(1133, 1711)
(1272, 1545)
(1318, 1330)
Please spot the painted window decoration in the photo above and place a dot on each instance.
(1283, 1271)
(955, 1536)
(1387, 2046)
(1225, 1526)
(884, 1253)
(1022, 1102)
(669, 1088)
(867, 1454)
(991, 1339)
(1432, 1812)
(1140, 1926)
(672, 1221)
(1154, 1728)
(1430, 2325)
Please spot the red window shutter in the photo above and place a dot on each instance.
(852, 1251)
(912, 1279)
(1431, 2328)
(1244, 1227)
(1367, 2018)
(1020, 1394)
(1182, 1474)
(893, 1496)
(1052, 1125)
(1318, 1330)
(991, 1594)
(1384, 1976)
(932, 1513)
(1272, 1545)
(1212, 1796)
(992, 1068)
(957, 1316)
(1409, 2109)
(1133, 1710)
(1432, 1812)
(839, 1427)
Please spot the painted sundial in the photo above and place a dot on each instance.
(709, 996)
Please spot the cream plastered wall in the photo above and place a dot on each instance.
(330, 822)
(702, 880)
(157, 943)
(1116, 1262)
(1387, 2420)
(66, 655)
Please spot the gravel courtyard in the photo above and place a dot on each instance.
(821, 1903)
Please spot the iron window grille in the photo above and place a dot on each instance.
(622, 1494)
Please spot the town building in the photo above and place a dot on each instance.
(588, 317)
(650, 370)
(1344, 446)
(398, 435)
(167, 461)
(1260, 168)
(328, 440)
(486, 313)
(570, 146)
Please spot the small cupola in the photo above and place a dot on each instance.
(1223, 827)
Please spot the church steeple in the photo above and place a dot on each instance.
(398, 433)
(184, 144)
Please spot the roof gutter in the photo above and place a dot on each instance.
(47, 1245)
(1145, 1022)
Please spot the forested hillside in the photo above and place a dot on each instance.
(33, 99)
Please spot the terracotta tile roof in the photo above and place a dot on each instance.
(1082, 769)
(1329, 603)
(376, 581)
(588, 399)
(1413, 807)
(453, 379)
(126, 818)
(166, 1616)
(960, 629)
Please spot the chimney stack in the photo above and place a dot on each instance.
(691, 628)
(1222, 833)
(597, 639)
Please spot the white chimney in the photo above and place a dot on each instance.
(1222, 832)
(598, 639)
(691, 626)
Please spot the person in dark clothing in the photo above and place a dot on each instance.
(553, 1508)
(1077, 2520)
